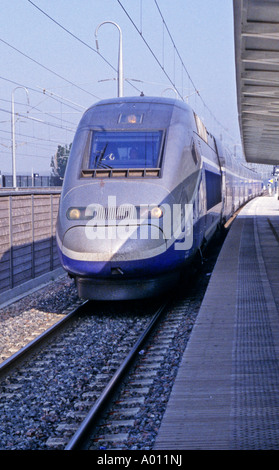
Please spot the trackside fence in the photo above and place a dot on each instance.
(27, 237)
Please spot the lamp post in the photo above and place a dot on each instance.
(120, 79)
(13, 132)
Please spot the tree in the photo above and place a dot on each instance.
(59, 163)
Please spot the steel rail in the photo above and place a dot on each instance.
(30, 347)
(81, 435)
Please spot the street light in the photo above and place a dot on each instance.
(13, 131)
(120, 57)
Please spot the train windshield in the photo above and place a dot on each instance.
(125, 149)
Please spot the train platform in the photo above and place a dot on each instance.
(226, 393)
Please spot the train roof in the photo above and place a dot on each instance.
(142, 99)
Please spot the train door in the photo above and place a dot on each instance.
(200, 204)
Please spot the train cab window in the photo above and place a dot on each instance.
(125, 149)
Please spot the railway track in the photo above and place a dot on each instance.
(141, 402)
(38, 342)
(85, 430)
(28, 372)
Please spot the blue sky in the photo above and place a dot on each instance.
(40, 55)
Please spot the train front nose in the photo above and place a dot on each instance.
(116, 250)
(116, 262)
(109, 249)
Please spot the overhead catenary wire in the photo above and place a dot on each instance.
(48, 69)
(31, 137)
(150, 49)
(47, 145)
(41, 112)
(71, 34)
(140, 32)
(189, 77)
(78, 39)
(48, 93)
(51, 94)
(39, 120)
(29, 155)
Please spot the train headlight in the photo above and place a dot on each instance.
(156, 212)
(73, 213)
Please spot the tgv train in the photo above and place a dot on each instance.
(145, 187)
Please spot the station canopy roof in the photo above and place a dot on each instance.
(256, 32)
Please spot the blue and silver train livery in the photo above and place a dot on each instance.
(145, 187)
